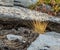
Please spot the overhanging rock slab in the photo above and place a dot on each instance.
(25, 14)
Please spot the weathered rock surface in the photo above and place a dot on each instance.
(25, 14)
(7, 2)
(47, 41)
(21, 39)
(13, 37)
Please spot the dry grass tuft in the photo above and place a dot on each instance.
(39, 27)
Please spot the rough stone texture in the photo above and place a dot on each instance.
(6, 44)
(7, 2)
(26, 3)
(53, 27)
(47, 41)
(25, 14)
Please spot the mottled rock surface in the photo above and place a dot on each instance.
(47, 41)
(25, 14)
(27, 34)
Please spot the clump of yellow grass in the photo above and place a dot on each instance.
(39, 27)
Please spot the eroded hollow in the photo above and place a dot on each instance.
(15, 24)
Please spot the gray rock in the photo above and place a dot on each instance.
(15, 37)
(48, 41)
(7, 2)
(23, 13)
